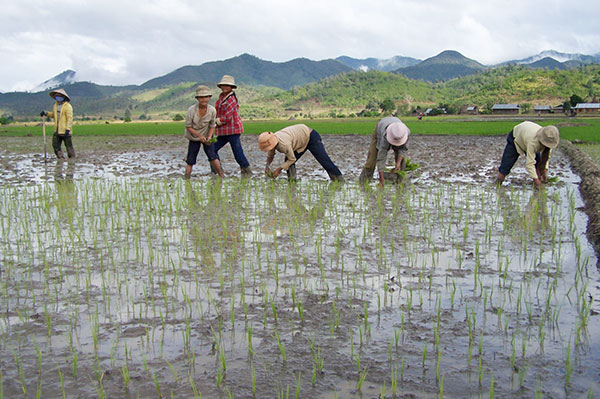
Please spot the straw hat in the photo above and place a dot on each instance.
(227, 80)
(548, 136)
(397, 133)
(267, 141)
(203, 91)
(60, 92)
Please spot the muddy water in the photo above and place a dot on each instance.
(119, 279)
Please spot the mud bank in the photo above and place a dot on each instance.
(589, 187)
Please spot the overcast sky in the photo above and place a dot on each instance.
(129, 42)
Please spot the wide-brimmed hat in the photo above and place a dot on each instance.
(548, 136)
(267, 141)
(60, 92)
(227, 80)
(397, 133)
(202, 91)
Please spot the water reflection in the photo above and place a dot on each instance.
(65, 189)
(529, 218)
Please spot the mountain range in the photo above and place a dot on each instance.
(260, 80)
(251, 70)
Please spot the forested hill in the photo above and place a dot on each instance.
(510, 84)
(345, 93)
(521, 84)
(444, 66)
(250, 70)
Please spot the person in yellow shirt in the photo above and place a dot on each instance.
(294, 141)
(536, 143)
(62, 113)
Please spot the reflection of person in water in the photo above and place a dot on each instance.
(61, 174)
(65, 189)
(533, 217)
(289, 213)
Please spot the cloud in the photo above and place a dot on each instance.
(128, 42)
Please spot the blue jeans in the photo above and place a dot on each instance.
(316, 147)
(236, 148)
(510, 155)
(194, 148)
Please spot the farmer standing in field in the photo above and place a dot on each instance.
(389, 132)
(533, 141)
(62, 113)
(229, 123)
(200, 126)
(294, 141)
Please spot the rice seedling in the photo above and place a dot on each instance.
(144, 269)
(361, 378)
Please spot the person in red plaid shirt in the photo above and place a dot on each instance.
(229, 123)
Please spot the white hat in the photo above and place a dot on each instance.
(397, 134)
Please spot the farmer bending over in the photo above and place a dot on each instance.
(390, 132)
(62, 113)
(534, 141)
(293, 141)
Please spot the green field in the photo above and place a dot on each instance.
(584, 129)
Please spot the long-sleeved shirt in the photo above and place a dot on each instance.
(201, 124)
(228, 113)
(528, 144)
(291, 139)
(383, 146)
(63, 119)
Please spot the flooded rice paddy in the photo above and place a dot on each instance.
(120, 279)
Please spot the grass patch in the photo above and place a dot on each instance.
(593, 150)
(584, 129)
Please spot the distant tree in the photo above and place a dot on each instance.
(178, 117)
(403, 110)
(371, 106)
(575, 99)
(6, 119)
(127, 117)
(387, 106)
(525, 108)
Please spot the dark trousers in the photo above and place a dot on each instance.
(510, 155)
(194, 148)
(57, 140)
(236, 148)
(316, 147)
